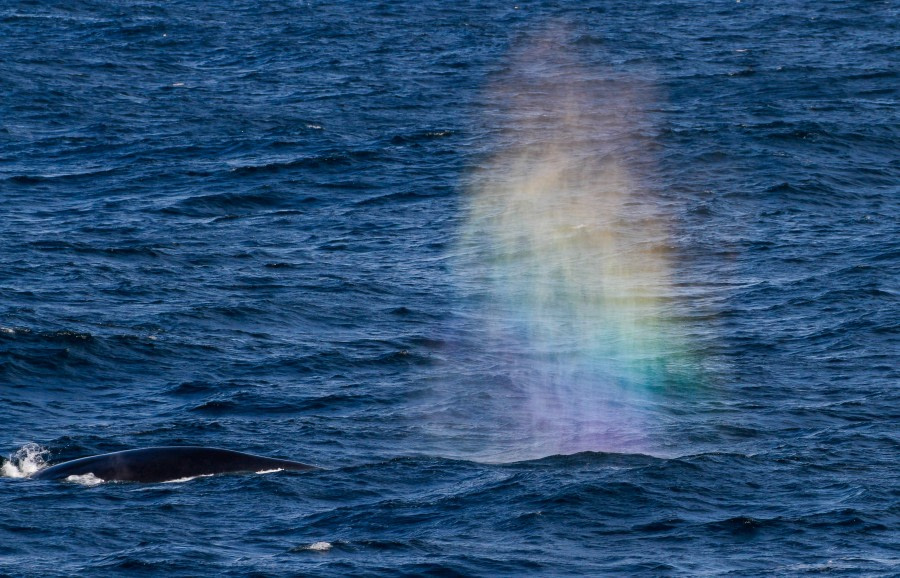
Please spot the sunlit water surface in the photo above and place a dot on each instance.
(605, 288)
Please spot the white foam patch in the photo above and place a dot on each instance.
(86, 480)
(320, 546)
(187, 479)
(270, 471)
(27, 460)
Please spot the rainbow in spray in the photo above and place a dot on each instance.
(571, 255)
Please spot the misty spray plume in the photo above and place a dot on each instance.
(566, 253)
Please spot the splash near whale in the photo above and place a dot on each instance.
(163, 464)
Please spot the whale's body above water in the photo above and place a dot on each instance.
(162, 464)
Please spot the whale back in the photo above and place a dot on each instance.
(161, 464)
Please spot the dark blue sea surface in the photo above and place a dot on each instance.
(543, 288)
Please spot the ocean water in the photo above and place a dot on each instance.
(544, 288)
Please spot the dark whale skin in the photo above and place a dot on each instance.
(163, 464)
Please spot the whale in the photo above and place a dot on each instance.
(166, 463)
